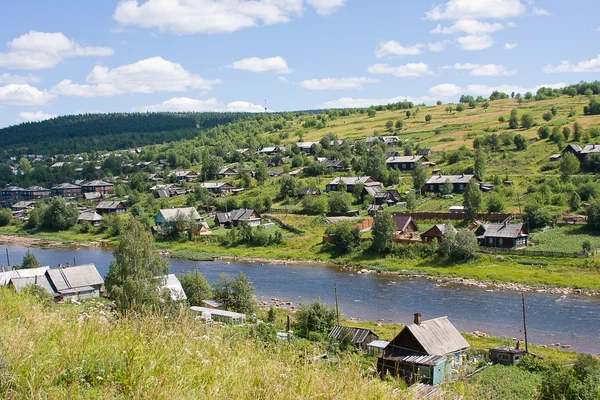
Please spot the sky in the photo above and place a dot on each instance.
(71, 56)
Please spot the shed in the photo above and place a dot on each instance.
(436, 232)
(106, 207)
(82, 281)
(507, 355)
(359, 337)
(226, 317)
(405, 224)
(376, 347)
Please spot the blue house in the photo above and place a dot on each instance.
(424, 351)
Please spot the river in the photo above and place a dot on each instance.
(551, 318)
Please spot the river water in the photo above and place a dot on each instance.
(551, 318)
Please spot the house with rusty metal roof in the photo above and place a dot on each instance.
(424, 351)
(358, 337)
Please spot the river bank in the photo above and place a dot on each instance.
(442, 276)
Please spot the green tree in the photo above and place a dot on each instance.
(5, 216)
(236, 293)
(575, 201)
(314, 317)
(411, 201)
(30, 261)
(371, 112)
(399, 124)
(339, 204)
(458, 246)
(536, 216)
(569, 165)
(513, 120)
(24, 165)
(495, 203)
(547, 116)
(137, 271)
(472, 104)
(345, 235)
(527, 121)
(408, 114)
(439, 103)
(554, 111)
(521, 142)
(486, 105)
(566, 132)
(389, 126)
(593, 213)
(315, 205)
(577, 131)
(288, 187)
(448, 187)
(383, 231)
(501, 119)
(544, 132)
(480, 163)
(60, 215)
(460, 107)
(196, 288)
(428, 118)
(357, 190)
(375, 165)
(419, 176)
(472, 199)
(262, 172)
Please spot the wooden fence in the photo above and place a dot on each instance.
(534, 253)
(496, 217)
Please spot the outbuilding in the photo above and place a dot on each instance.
(359, 337)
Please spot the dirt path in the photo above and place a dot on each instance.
(28, 241)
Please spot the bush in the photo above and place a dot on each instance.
(527, 121)
(544, 132)
(339, 203)
(345, 235)
(196, 288)
(314, 317)
(59, 215)
(236, 293)
(495, 203)
(536, 216)
(593, 213)
(5, 216)
(461, 246)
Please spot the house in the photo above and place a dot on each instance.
(12, 194)
(226, 172)
(374, 209)
(405, 225)
(404, 163)
(218, 187)
(275, 162)
(172, 286)
(507, 355)
(6, 276)
(78, 282)
(390, 140)
(188, 176)
(92, 217)
(23, 206)
(36, 193)
(92, 196)
(305, 147)
(435, 184)
(168, 216)
(222, 316)
(104, 188)
(389, 197)
(271, 151)
(334, 165)
(309, 191)
(107, 207)
(359, 337)
(66, 190)
(504, 235)
(581, 152)
(424, 152)
(424, 351)
(237, 217)
(456, 209)
(435, 233)
(350, 182)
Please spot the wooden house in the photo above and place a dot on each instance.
(275, 162)
(107, 207)
(581, 152)
(350, 182)
(309, 191)
(504, 235)
(306, 147)
(359, 337)
(66, 190)
(36, 193)
(167, 217)
(436, 183)
(507, 355)
(79, 282)
(405, 225)
(24, 205)
(436, 232)
(238, 217)
(271, 150)
(92, 217)
(424, 152)
(221, 188)
(187, 176)
(424, 351)
(226, 172)
(104, 188)
(404, 163)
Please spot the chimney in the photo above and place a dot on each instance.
(417, 319)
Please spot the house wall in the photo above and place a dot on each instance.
(402, 166)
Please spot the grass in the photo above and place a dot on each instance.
(565, 238)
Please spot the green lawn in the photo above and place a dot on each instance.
(565, 238)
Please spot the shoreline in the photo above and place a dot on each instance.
(441, 280)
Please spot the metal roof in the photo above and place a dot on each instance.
(97, 183)
(441, 179)
(6, 276)
(74, 277)
(350, 180)
(66, 186)
(502, 230)
(438, 336)
(356, 335)
(419, 359)
(42, 281)
(170, 214)
(403, 159)
(378, 344)
(213, 311)
(172, 284)
(91, 216)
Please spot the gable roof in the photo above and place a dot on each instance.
(402, 221)
(97, 183)
(502, 230)
(356, 335)
(6, 276)
(243, 214)
(590, 148)
(110, 205)
(90, 216)
(405, 159)
(440, 227)
(80, 276)
(42, 281)
(170, 214)
(438, 336)
(351, 180)
(454, 179)
(172, 284)
(66, 186)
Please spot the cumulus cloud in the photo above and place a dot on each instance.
(336, 83)
(445, 90)
(29, 116)
(326, 7)
(485, 69)
(351, 102)
(7, 78)
(176, 104)
(256, 64)
(23, 95)
(461, 9)
(41, 50)
(592, 65)
(437, 46)
(540, 12)
(510, 46)
(146, 76)
(411, 70)
(469, 26)
(392, 47)
(214, 16)
(475, 42)
(450, 89)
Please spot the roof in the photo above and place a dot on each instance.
(213, 303)
(97, 183)
(92, 196)
(36, 189)
(508, 349)
(438, 336)
(441, 179)
(350, 180)
(214, 311)
(170, 214)
(403, 159)
(309, 191)
(378, 344)
(356, 335)
(503, 230)
(402, 221)
(441, 228)
(306, 145)
(268, 149)
(242, 214)
(42, 281)
(590, 148)
(110, 205)
(214, 185)
(6, 276)
(419, 359)
(174, 287)
(424, 152)
(66, 186)
(74, 277)
(91, 216)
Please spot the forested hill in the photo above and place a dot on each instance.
(89, 132)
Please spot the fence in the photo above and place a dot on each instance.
(534, 253)
(497, 217)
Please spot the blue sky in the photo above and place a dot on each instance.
(73, 56)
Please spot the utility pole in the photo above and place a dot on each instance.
(524, 322)
(7, 257)
(337, 308)
(289, 335)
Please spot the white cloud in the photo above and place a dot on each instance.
(326, 7)
(336, 83)
(23, 95)
(40, 50)
(592, 65)
(7, 78)
(351, 102)
(475, 42)
(469, 26)
(255, 64)
(486, 69)
(437, 46)
(146, 76)
(445, 90)
(392, 47)
(510, 46)
(214, 16)
(411, 70)
(540, 12)
(34, 116)
(460, 9)
(187, 104)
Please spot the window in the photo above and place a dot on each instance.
(403, 166)
(502, 357)
(431, 188)
(500, 241)
(491, 240)
(461, 186)
(425, 372)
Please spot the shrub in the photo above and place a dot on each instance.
(196, 288)
(5, 216)
(536, 216)
(346, 236)
(314, 317)
(461, 246)
(236, 293)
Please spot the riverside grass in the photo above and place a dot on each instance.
(58, 352)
